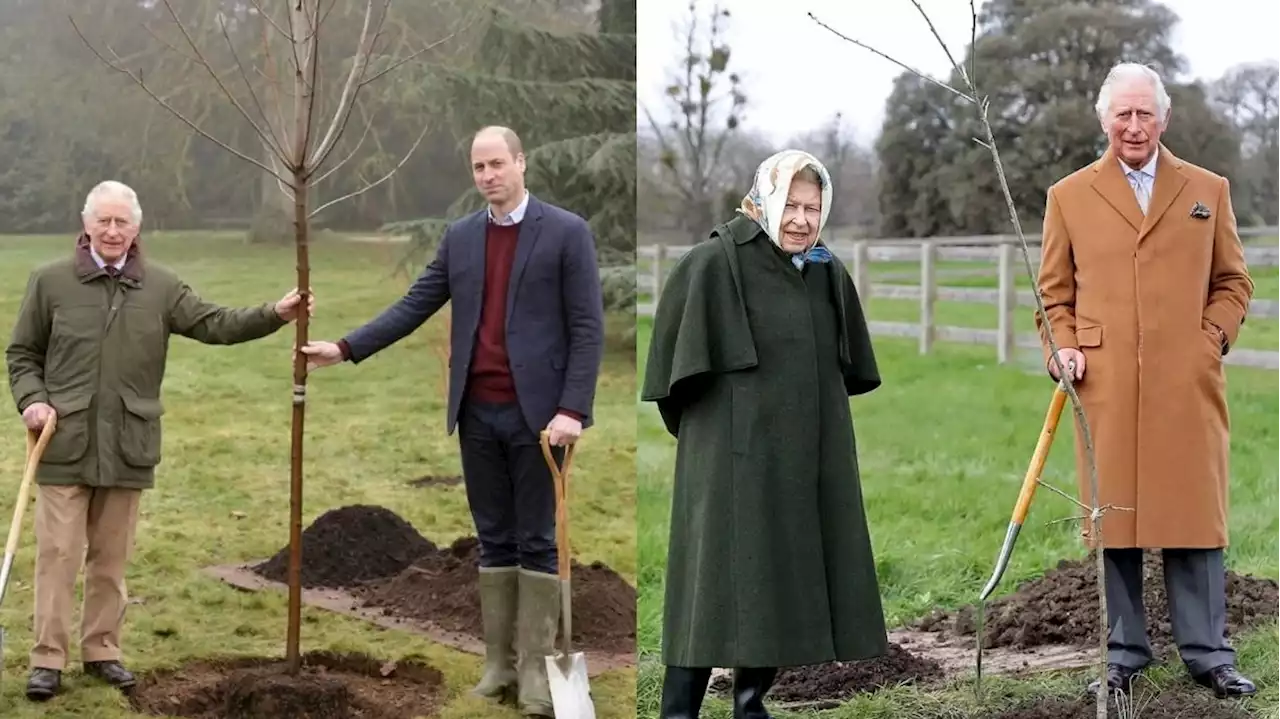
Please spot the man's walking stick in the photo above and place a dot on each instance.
(35, 449)
(1029, 482)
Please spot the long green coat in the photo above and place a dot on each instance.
(94, 347)
(751, 365)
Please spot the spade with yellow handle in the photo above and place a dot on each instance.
(1029, 483)
(36, 442)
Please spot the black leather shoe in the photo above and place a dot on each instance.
(683, 690)
(112, 673)
(1119, 678)
(1225, 682)
(43, 684)
(749, 688)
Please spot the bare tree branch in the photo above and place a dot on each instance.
(410, 58)
(137, 78)
(359, 143)
(275, 87)
(274, 144)
(899, 63)
(380, 180)
(345, 101)
(959, 66)
(168, 4)
(1063, 494)
(266, 16)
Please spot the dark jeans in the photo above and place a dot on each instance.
(509, 487)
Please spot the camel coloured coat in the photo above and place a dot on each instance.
(1139, 296)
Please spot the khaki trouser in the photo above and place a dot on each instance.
(79, 526)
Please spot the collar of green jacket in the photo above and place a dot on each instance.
(87, 269)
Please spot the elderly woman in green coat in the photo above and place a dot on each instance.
(759, 339)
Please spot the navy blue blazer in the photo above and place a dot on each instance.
(555, 311)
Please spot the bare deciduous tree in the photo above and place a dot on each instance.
(282, 105)
(970, 93)
(692, 143)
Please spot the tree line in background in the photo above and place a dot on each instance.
(1042, 60)
(559, 72)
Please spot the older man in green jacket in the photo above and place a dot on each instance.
(90, 346)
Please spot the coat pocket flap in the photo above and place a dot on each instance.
(66, 405)
(1090, 336)
(143, 407)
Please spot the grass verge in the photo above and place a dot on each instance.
(943, 446)
(222, 492)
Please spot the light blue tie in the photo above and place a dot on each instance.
(1138, 180)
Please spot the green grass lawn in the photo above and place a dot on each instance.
(944, 444)
(369, 431)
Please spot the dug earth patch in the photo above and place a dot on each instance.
(1061, 608)
(826, 686)
(366, 561)
(329, 686)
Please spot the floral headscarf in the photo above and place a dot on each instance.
(768, 197)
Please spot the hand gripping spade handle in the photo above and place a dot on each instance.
(35, 449)
(1029, 483)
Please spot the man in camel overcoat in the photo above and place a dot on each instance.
(1145, 286)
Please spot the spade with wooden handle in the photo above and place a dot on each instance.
(567, 670)
(1029, 483)
(36, 442)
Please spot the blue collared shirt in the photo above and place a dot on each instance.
(516, 215)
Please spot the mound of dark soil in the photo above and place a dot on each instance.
(838, 681)
(330, 686)
(1062, 608)
(1173, 703)
(349, 545)
(441, 587)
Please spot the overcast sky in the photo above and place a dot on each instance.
(797, 74)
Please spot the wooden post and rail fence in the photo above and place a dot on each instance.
(654, 258)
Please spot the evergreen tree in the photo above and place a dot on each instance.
(571, 98)
(1040, 62)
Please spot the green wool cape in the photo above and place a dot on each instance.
(751, 365)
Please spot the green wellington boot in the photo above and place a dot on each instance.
(537, 629)
(499, 595)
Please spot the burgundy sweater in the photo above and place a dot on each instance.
(490, 377)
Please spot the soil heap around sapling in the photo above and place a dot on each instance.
(838, 681)
(349, 545)
(1062, 608)
(329, 686)
(1179, 702)
(441, 587)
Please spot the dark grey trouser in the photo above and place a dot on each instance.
(1196, 583)
(509, 487)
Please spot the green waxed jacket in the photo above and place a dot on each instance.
(94, 347)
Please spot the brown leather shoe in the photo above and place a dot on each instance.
(111, 672)
(1119, 678)
(1225, 682)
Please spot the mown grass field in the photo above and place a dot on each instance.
(370, 430)
(943, 445)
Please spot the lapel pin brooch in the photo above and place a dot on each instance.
(1200, 212)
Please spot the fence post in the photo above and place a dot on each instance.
(1006, 305)
(659, 274)
(928, 295)
(862, 273)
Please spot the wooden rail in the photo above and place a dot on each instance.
(653, 261)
